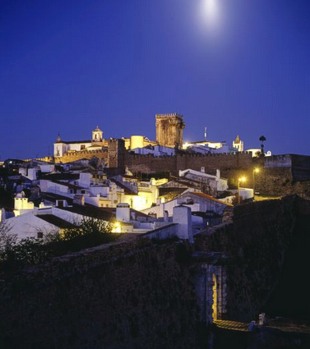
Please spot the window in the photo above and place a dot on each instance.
(40, 235)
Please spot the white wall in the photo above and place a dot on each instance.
(183, 216)
(56, 188)
(85, 180)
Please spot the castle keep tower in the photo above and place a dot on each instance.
(169, 130)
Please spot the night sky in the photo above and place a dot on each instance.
(237, 67)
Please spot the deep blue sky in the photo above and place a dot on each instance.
(68, 66)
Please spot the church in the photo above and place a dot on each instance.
(97, 142)
(169, 133)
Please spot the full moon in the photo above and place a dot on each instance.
(210, 9)
(210, 18)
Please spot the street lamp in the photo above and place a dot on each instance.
(255, 170)
(240, 180)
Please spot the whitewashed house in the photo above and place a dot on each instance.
(214, 183)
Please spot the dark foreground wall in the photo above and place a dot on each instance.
(141, 295)
(265, 241)
(134, 295)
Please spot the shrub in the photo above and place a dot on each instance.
(91, 232)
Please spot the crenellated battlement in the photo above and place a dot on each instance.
(86, 154)
(190, 155)
(169, 115)
(181, 161)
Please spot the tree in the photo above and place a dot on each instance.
(262, 140)
(89, 232)
(7, 240)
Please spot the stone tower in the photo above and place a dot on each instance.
(169, 130)
(116, 155)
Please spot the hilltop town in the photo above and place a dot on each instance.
(137, 182)
(206, 201)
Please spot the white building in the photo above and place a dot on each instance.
(207, 145)
(37, 223)
(96, 143)
(107, 193)
(156, 150)
(238, 144)
(196, 200)
(213, 183)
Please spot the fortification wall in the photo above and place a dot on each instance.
(257, 243)
(280, 182)
(278, 161)
(129, 295)
(298, 164)
(172, 164)
(301, 168)
(84, 154)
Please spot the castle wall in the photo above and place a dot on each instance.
(281, 175)
(256, 244)
(116, 154)
(87, 154)
(172, 164)
(130, 295)
(299, 165)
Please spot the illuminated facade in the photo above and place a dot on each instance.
(62, 147)
(205, 147)
(169, 130)
(137, 142)
(238, 144)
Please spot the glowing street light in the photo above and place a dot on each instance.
(240, 180)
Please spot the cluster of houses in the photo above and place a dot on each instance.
(52, 196)
(49, 198)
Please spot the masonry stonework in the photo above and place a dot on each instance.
(258, 242)
(116, 154)
(129, 295)
(169, 130)
(172, 164)
(86, 154)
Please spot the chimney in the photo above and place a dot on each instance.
(182, 215)
(122, 212)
